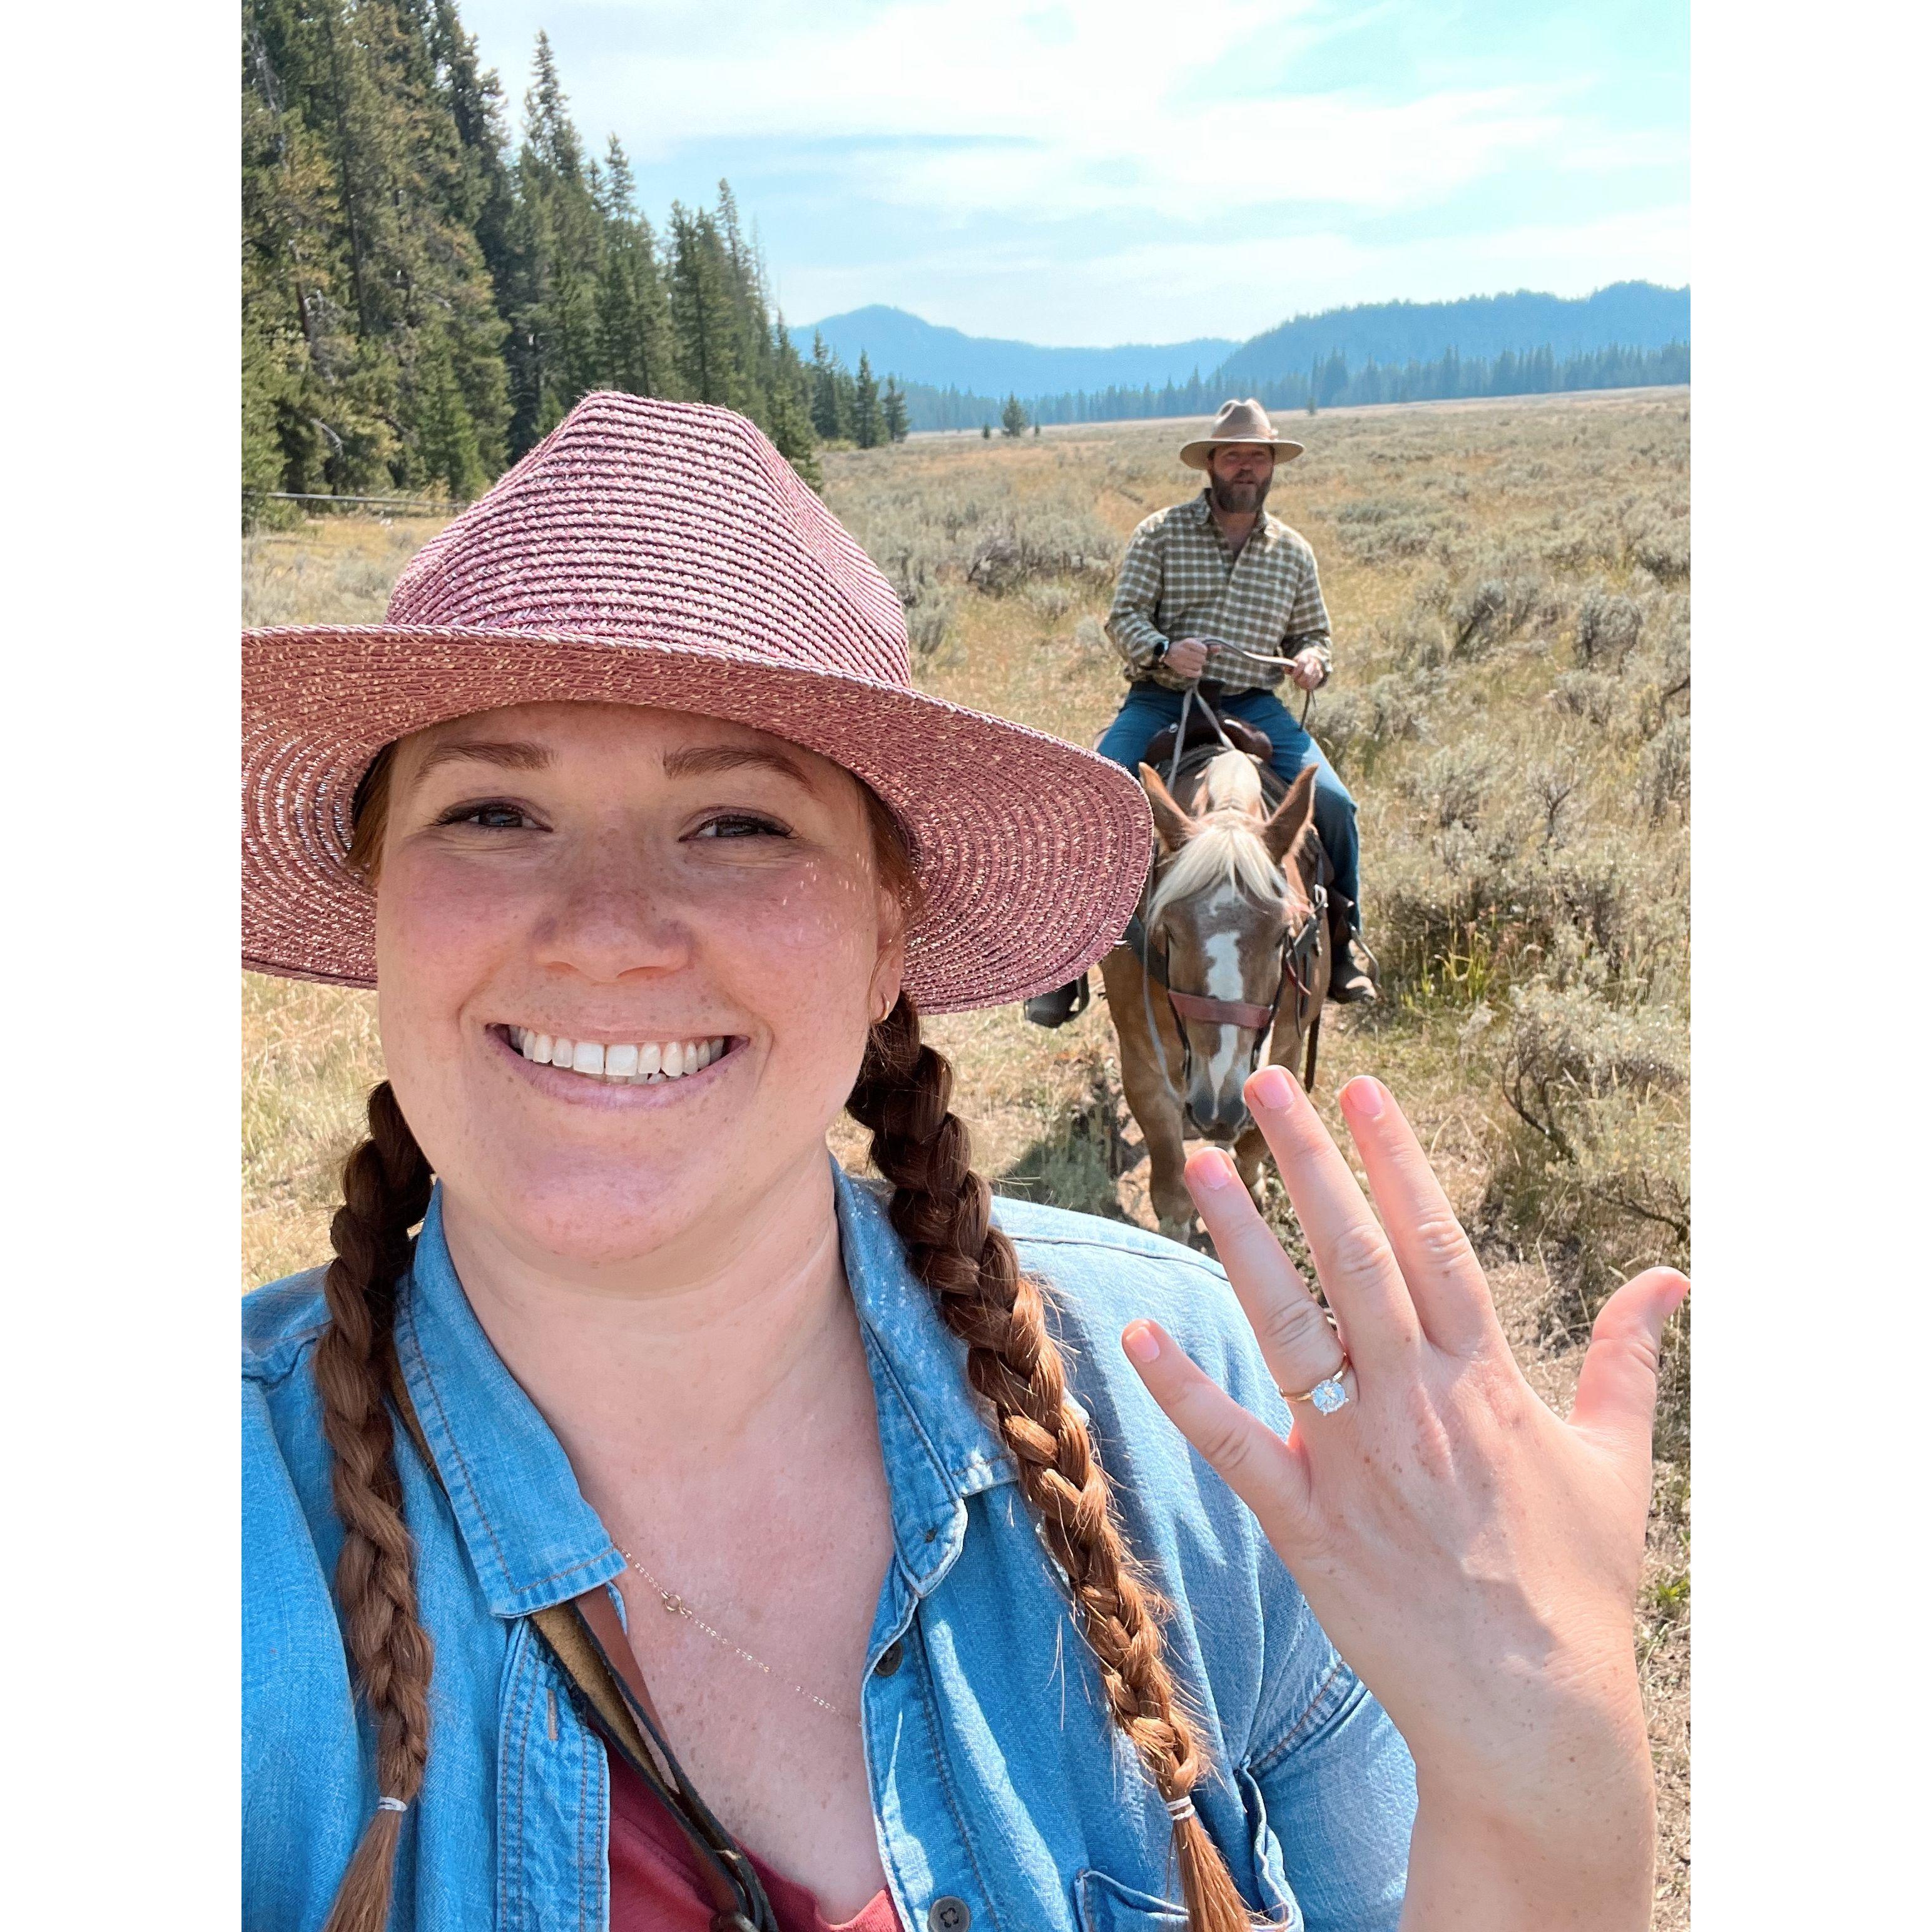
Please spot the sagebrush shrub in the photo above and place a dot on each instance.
(1608, 626)
(1664, 770)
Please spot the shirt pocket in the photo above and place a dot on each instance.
(1107, 1906)
(1278, 1899)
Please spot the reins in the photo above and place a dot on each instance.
(1252, 657)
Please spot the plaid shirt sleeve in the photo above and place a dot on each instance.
(1308, 621)
(1136, 596)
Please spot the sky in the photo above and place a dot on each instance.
(1109, 171)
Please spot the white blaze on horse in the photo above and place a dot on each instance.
(1227, 960)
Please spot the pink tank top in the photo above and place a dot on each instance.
(655, 1885)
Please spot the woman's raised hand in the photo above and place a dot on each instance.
(1475, 1557)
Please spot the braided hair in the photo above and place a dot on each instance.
(942, 1211)
(385, 1188)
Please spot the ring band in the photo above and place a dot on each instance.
(1327, 1395)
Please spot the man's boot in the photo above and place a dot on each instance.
(1353, 974)
(1063, 1004)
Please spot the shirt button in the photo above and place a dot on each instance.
(890, 1658)
(949, 1915)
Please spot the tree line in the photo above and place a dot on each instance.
(421, 302)
(1330, 383)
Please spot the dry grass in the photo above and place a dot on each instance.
(1509, 583)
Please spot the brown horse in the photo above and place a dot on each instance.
(1228, 958)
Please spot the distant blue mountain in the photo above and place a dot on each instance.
(1638, 316)
(916, 351)
(1628, 315)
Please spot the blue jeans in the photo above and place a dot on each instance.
(1150, 707)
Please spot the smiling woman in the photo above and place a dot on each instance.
(629, 1450)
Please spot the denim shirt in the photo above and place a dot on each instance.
(1007, 1800)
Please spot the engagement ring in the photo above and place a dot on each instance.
(1327, 1395)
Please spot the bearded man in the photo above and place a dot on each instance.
(1215, 592)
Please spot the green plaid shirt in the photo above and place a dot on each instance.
(1177, 580)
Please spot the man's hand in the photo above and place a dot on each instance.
(1186, 657)
(1305, 667)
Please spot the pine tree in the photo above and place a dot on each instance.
(1013, 417)
(556, 256)
(831, 396)
(445, 437)
(868, 427)
(790, 426)
(986, 430)
(703, 326)
(359, 198)
(892, 411)
(635, 351)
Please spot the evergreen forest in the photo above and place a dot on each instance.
(424, 297)
(422, 301)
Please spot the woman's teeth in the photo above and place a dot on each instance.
(648, 1065)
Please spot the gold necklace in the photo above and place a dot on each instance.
(678, 1607)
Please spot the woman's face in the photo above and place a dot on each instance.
(661, 892)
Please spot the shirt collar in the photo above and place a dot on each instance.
(531, 1537)
(940, 1447)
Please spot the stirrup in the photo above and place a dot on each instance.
(1054, 1009)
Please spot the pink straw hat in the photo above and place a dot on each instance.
(664, 554)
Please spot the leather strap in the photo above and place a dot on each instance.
(586, 1639)
(1220, 1012)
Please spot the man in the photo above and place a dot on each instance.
(1215, 592)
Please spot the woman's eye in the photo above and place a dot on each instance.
(496, 815)
(742, 825)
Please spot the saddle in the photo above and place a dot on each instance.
(1200, 721)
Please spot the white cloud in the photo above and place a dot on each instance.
(1019, 140)
(1097, 107)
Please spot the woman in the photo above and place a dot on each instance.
(630, 816)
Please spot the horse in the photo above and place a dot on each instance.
(1228, 956)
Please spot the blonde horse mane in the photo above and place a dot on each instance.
(1228, 848)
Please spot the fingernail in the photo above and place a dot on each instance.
(1141, 1342)
(1365, 1096)
(1269, 1086)
(1210, 1170)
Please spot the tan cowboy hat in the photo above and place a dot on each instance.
(1239, 422)
(664, 554)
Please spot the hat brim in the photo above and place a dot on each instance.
(1031, 852)
(1195, 454)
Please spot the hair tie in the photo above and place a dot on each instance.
(1178, 1808)
(392, 1804)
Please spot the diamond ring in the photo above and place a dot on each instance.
(1327, 1395)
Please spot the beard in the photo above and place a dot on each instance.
(1237, 499)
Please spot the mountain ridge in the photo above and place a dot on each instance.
(908, 345)
(1635, 315)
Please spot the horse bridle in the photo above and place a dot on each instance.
(1298, 957)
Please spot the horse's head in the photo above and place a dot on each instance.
(1233, 888)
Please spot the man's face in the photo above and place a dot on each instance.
(1239, 474)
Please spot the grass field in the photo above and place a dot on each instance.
(1510, 587)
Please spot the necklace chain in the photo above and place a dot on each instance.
(678, 1607)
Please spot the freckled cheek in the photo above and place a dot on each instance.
(812, 942)
(438, 935)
